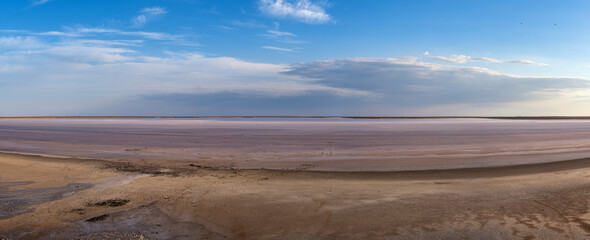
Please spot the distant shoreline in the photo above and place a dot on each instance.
(300, 117)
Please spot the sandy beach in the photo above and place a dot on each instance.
(123, 194)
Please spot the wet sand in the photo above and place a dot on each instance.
(107, 192)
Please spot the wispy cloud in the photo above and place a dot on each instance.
(222, 27)
(454, 58)
(285, 37)
(527, 62)
(148, 14)
(98, 42)
(485, 59)
(149, 35)
(154, 11)
(300, 10)
(14, 31)
(465, 59)
(58, 34)
(39, 2)
(18, 42)
(280, 34)
(248, 23)
(89, 53)
(102, 35)
(278, 49)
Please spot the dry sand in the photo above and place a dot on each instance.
(543, 201)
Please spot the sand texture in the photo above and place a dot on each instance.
(108, 192)
(532, 202)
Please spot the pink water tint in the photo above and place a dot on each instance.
(316, 144)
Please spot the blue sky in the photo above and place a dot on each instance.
(294, 57)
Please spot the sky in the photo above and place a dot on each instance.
(295, 57)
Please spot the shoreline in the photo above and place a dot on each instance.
(304, 117)
(456, 173)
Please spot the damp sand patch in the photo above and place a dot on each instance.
(18, 201)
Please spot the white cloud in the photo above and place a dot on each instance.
(154, 11)
(20, 43)
(379, 86)
(417, 85)
(301, 10)
(278, 49)
(80, 31)
(148, 35)
(140, 20)
(248, 23)
(98, 42)
(281, 34)
(485, 59)
(91, 42)
(465, 59)
(14, 31)
(526, 62)
(85, 53)
(78, 50)
(151, 35)
(94, 30)
(148, 14)
(454, 58)
(58, 34)
(222, 27)
(10, 68)
(90, 73)
(85, 72)
(283, 37)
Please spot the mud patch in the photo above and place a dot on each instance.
(98, 218)
(143, 169)
(110, 203)
(143, 222)
(114, 235)
(16, 202)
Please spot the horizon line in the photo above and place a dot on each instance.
(287, 117)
